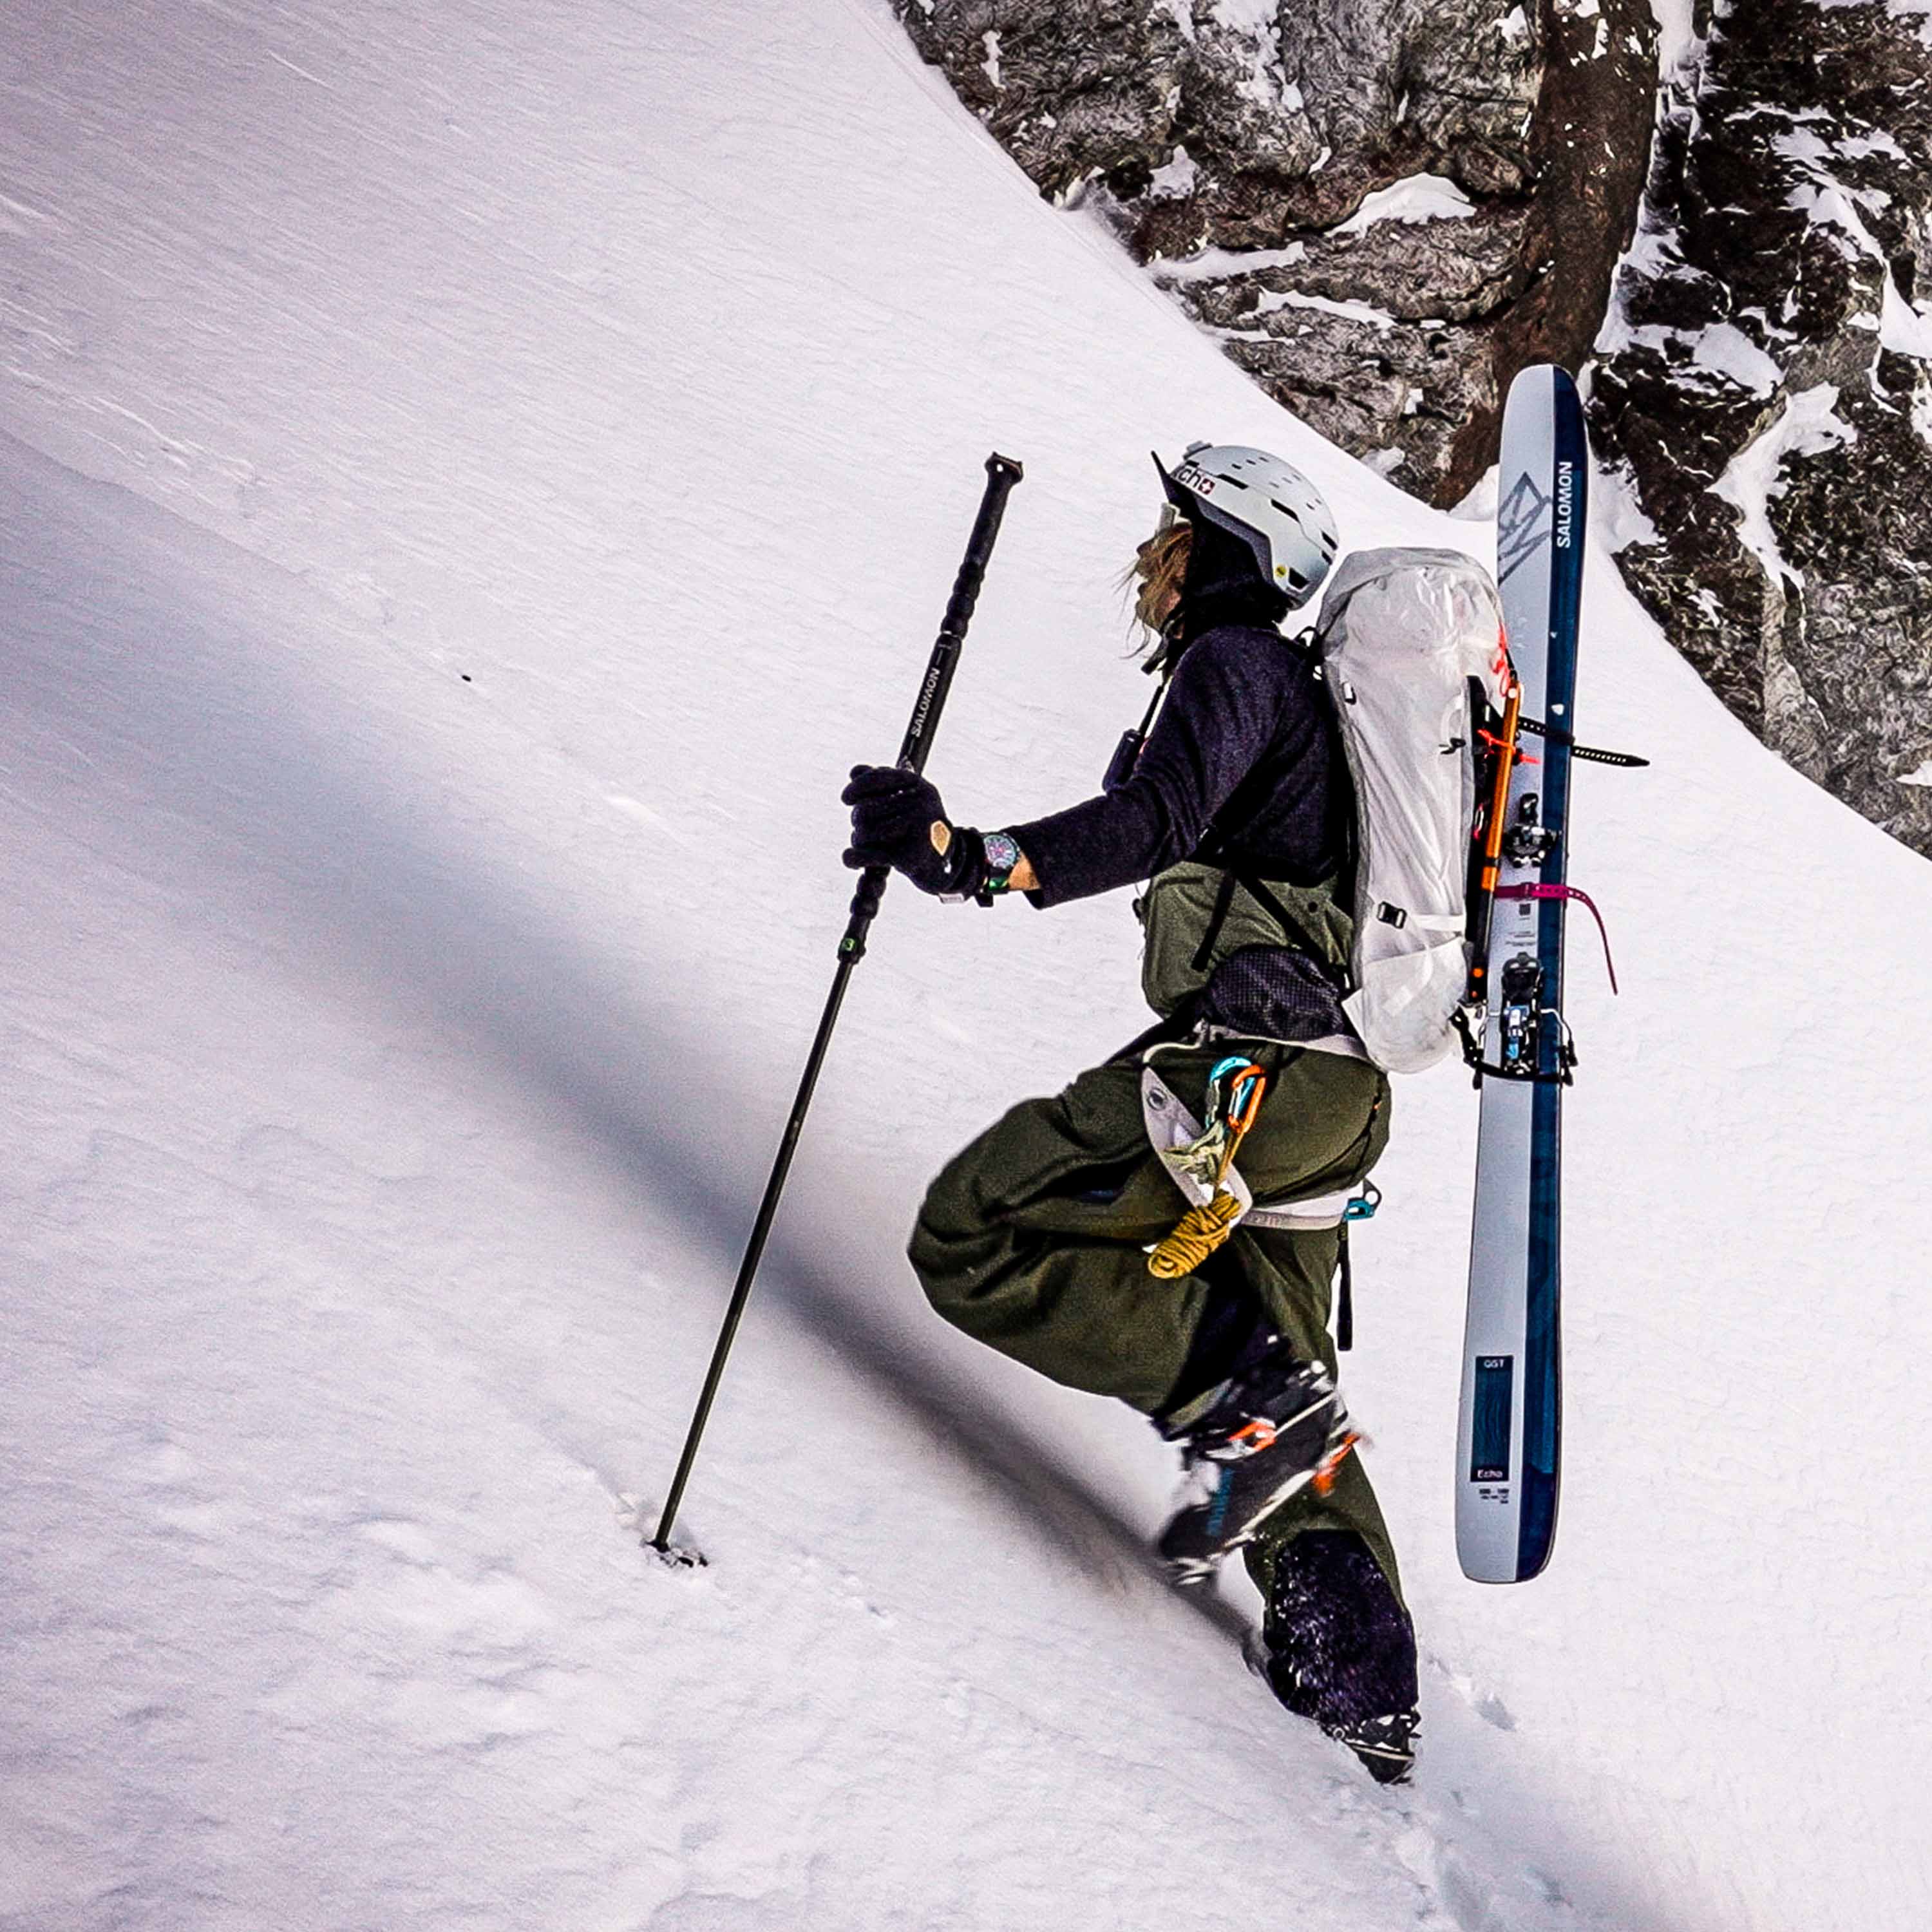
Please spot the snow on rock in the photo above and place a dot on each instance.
(1361, 312)
(1727, 351)
(1420, 197)
(1806, 423)
(990, 66)
(1904, 328)
(1177, 178)
(1783, 249)
(472, 479)
(1349, 139)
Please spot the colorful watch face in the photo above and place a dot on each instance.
(1003, 853)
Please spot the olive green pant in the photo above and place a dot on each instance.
(1032, 1240)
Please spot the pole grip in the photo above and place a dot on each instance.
(1002, 473)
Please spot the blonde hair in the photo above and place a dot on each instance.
(1159, 566)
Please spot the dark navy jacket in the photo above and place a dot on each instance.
(1244, 767)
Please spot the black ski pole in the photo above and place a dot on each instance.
(1002, 473)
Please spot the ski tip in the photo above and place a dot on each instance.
(1551, 378)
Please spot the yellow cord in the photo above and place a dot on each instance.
(1196, 1235)
(1202, 1229)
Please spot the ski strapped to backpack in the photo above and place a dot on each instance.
(1414, 654)
(1521, 1013)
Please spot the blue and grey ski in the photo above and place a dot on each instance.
(1509, 1442)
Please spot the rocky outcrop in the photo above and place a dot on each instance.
(1384, 208)
(1765, 385)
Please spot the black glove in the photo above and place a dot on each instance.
(893, 813)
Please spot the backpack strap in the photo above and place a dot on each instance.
(1304, 941)
(1298, 934)
(1223, 898)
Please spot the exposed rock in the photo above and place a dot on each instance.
(1767, 381)
(1386, 207)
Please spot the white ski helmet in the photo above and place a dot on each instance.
(1268, 503)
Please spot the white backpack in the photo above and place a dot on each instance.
(1402, 633)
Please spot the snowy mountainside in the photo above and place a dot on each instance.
(474, 477)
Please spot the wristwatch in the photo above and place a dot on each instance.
(1003, 854)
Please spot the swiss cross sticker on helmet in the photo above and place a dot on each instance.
(1269, 504)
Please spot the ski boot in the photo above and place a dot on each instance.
(1339, 1649)
(1273, 1427)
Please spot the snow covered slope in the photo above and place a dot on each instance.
(473, 478)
